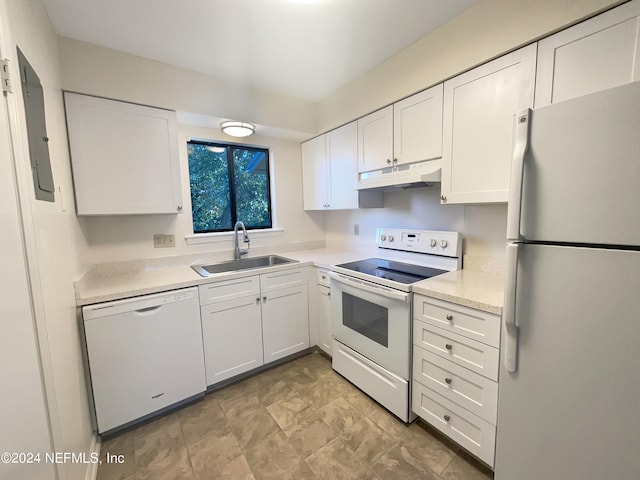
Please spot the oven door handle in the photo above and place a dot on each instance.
(370, 287)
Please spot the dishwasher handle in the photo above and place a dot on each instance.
(144, 305)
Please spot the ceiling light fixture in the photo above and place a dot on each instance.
(237, 129)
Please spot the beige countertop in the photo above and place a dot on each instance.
(481, 290)
(96, 287)
(474, 289)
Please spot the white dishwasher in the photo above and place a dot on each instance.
(145, 354)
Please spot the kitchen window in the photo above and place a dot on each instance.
(229, 183)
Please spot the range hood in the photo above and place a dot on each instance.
(416, 175)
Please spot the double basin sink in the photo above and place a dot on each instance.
(242, 264)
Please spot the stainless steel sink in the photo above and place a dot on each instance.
(242, 264)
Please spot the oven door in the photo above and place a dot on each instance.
(373, 320)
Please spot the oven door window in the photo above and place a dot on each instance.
(367, 318)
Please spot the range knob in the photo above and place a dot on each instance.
(443, 244)
(432, 243)
(383, 237)
(391, 238)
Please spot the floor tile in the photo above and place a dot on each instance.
(215, 455)
(309, 433)
(431, 448)
(463, 467)
(400, 463)
(368, 440)
(339, 414)
(336, 461)
(273, 457)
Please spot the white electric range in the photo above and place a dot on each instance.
(371, 310)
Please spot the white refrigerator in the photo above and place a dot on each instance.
(569, 398)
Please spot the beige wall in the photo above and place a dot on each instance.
(60, 249)
(104, 72)
(487, 30)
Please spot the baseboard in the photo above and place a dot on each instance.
(92, 468)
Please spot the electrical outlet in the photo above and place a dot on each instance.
(161, 240)
(356, 229)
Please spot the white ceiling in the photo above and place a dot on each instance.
(304, 50)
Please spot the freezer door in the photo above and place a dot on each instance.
(570, 410)
(582, 170)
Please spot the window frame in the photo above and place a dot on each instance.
(230, 147)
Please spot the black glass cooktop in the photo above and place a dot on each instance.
(395, 271)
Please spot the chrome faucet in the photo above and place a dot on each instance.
(237, 254)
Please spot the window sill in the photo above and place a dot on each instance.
(216, 237)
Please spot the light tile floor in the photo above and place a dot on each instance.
(297, 421)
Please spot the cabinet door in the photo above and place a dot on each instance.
(417, 126)
(375, 140)
(232, 334)
(342, 154)
(479, 108)
(600, 53)
(124, 156)
(315, 174)
(324, 318)
(285, 322)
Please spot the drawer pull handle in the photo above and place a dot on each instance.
(447, 381)
(449, 317)
(448, 346)
(447, 418)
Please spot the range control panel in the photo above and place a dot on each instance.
(448, 244)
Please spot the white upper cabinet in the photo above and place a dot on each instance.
(315, 174)
(600, 53)
(330, 174)
(479, 108)
(375, 140)
(417, 127)
(124, 156)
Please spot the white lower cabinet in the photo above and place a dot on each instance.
(251, 321)
(232, 333)
(324, 312)
(455, 376)
(285, 323)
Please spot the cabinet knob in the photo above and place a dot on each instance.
(179, 208)
(329, 294)
(443, 244)
(257, 300)
(264, 299)
(447, 418)
(395, 160)
(447, 381)
(448, 346)
(432, 242)
(449, 317)
(443, 198)
(388, 161)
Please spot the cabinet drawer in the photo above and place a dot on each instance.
(474, 392)
(282, 279)
(468, 322)
(323, 277)
(473, 355)
(470, 431)
(229, 290)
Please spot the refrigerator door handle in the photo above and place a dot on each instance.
(510, 321)
(517, 170)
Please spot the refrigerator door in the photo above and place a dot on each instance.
(571, 410)
(581, 172)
